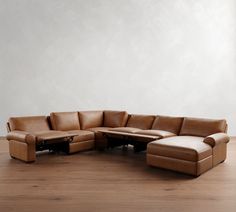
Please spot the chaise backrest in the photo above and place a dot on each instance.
(140, 121)
(29, 123)
(115, 118)
(90, 119)
(202, 127)
(168, 123)
(65, 121)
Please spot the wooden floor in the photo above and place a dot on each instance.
(111, 181)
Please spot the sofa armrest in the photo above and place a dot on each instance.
(216, 139)
(21, 136)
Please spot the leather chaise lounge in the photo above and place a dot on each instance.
(183, 144)
(201, 145)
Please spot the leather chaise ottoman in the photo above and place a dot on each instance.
(188, 154)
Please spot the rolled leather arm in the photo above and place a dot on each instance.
(216, 139)
(21, 136)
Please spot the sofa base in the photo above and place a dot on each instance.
(188, 167)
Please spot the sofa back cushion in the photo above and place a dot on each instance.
(29, 123)
(65, 121)
(202, 127)
(115, 118)
(168, 123)
(140, 121)
(90, 119)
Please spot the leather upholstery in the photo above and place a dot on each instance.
(204, 146)
(143, 122)
(90, 119)
(160, 133)
(82, 135)
(189, 148)
(97, 129)
(29, 124)
(114, 134)
(125, 129)
(100, 139)
(21, 136)
(98, 134)
(22, 151)
(202, 127)
(115, 118)
(216, 139)
(65, 121)
(49, 135)
(81, 146)
(168, 123)
(183, 166)
(219, 153)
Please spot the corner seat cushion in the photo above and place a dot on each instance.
(115, 118)
(142, 122)
(90, 119)
(29, 123)
(168, 123)
(189, 148)
(82, 135)
(202, 127)
(98, 134)
(97, 129)
(125, 129)
(65, 121)
(161, 133)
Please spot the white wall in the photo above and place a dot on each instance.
(145, 56)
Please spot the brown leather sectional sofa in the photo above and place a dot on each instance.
(188, 145)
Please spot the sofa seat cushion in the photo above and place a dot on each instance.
(90, 119)
(65, 121)
(49, 135)
(82, 135)
(189, 148)
(125, 129)
(160, 133)
(115, 118)
(98, 134)
(97, 129)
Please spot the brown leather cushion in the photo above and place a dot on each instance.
(98, 134)
(168, 123)
(49, 135)
(65, 121)
(190, 148)
(82, 135)
(115, 118)
(125, 129)
(29, 124)
(160, 133)
(91, 119)
(143, 122)
(202, 127)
